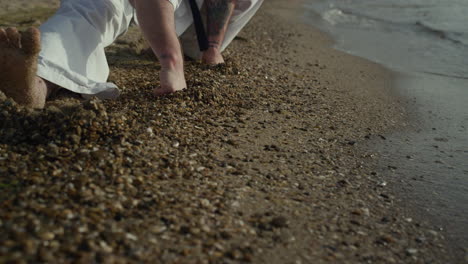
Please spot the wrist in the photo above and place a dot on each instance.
(214, 45)
(171, 60)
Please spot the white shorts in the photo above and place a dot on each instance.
(73, 40)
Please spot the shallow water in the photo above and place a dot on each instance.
(411, 35)
(426, 41)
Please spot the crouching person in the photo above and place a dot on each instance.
(67, 51)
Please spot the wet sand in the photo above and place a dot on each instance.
(258, 161)
(424, 160)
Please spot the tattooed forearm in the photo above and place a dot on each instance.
(218, 15)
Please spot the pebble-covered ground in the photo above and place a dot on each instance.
(258, 161)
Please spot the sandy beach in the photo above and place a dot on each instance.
(259, 161)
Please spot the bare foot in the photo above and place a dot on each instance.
(171, 81)
(18, 57)
(212, 56)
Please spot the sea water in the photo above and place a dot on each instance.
(428, 36)
(426, 42)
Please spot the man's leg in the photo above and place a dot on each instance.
(18, 66)
(156, 19)
(219, 13)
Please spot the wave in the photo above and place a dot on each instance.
(343, 16)
(454, 36)
(445, 75)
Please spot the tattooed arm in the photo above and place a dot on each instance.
(219, 13)
(156, 18)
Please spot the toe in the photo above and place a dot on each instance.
(3, 36)
(163, 91)
(31, 41)
(13, 37)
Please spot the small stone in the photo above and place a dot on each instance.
(45, 255)
(205, 202)
(225, 235)
(158, 229)
(75, 139)
(150, 131)
(279, 222)
(131, 236)
(387, 239)
(420, 239)
(47, 236)
(366, 211)
(29, 246)
(411, 251)
(205, 228)
(105, 247)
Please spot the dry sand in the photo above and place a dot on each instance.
(259, 161)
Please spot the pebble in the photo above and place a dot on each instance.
(47, 236)
(131, 236)
(279, 222)
(411, 251)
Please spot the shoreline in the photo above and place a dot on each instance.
(423, 161)
(257, 162)
(426, 155)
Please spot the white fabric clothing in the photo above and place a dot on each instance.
(73, 40)
(244, 11)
